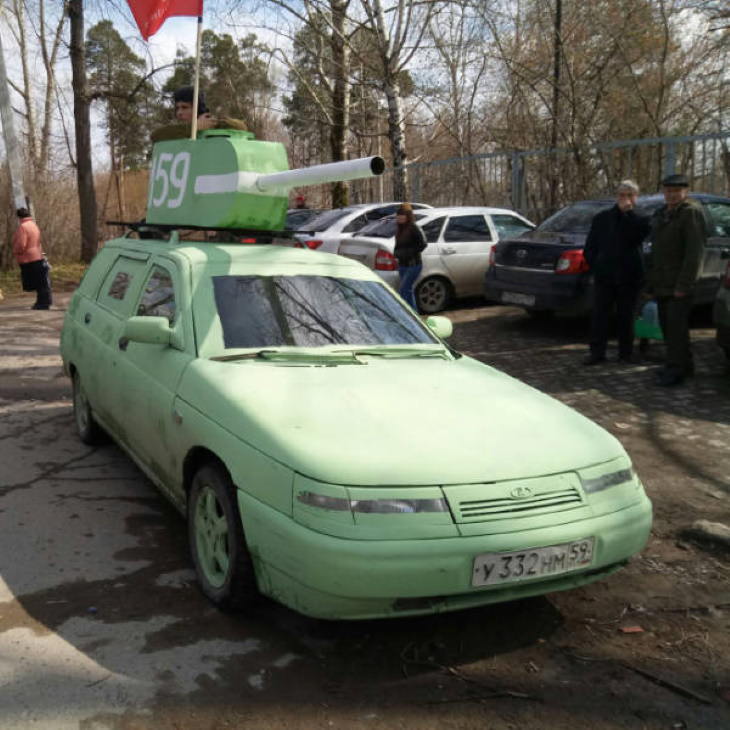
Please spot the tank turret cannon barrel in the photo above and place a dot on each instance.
(318, 174)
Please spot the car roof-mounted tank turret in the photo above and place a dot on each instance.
(228, 179)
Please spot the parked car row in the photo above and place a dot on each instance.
(499, 253)
(544, 270)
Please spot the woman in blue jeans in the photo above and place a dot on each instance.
(409, 242)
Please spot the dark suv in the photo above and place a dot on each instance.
(544, 270)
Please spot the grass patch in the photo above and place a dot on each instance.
(64, 277)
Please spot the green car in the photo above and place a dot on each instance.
(327, 448)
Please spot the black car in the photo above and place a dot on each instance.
(544, 270)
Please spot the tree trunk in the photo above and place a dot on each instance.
(340, 97)
(84, 173)
(557, 61)
(27, 92)
(397, 137)
(49, 63)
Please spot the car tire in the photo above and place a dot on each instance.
(433, 294)
(218, 547)
(87, 428)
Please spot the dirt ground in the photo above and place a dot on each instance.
(101, 626)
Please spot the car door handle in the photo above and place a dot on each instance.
(448, 249)
(87, 318)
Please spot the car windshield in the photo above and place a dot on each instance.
(382, 228)
(574, 218)
(326, 219)
(312, 311)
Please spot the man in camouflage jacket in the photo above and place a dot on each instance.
(678, 240)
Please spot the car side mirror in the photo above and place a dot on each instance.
(150, 330)
(440, 326)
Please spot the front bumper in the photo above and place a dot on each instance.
(334, 578)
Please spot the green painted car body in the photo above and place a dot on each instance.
(370, 481)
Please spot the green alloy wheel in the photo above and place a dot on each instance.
(221, 558)
(87, 428)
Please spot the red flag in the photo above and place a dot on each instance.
(151, 14)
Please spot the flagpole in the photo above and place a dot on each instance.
(196, 82)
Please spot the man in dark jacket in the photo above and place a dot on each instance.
(613, 253)
(678, 241)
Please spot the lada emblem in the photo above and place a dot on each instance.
(521, 493)
(521, 253)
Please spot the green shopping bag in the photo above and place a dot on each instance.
(647, 325)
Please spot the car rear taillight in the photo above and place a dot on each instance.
(726, 279)
(385, 261)
(492, 256)
(313, 243)
(248, 240)
(571, 262)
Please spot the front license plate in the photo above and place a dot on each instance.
(511, 297)
(497, 568)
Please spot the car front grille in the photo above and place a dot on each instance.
(514, 499)
(473, 510)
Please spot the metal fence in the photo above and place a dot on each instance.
(538, 182)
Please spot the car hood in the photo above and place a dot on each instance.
(397, 421)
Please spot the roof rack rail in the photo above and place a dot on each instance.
(249, 235)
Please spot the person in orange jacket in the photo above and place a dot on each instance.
(33, 265)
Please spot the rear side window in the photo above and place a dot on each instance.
(574, 218)
(432, 229)
(158, 297)
(326, 219)
(467, 228)
(123, 277)
(509, 227)
(356, 224)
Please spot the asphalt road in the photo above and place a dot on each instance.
(103, 628)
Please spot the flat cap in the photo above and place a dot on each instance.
(675, 181)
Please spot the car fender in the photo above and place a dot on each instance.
(251, 470)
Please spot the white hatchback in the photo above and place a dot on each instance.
(325, 231)
(454, 262)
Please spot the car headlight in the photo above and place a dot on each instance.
(612, 479)
(402, 506)
(323, 501)
(372, 506)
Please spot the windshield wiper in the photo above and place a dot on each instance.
(394, 352)
(290, 355)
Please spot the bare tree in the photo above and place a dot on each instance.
(84, 172)
(399, 30)
(33, 30)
